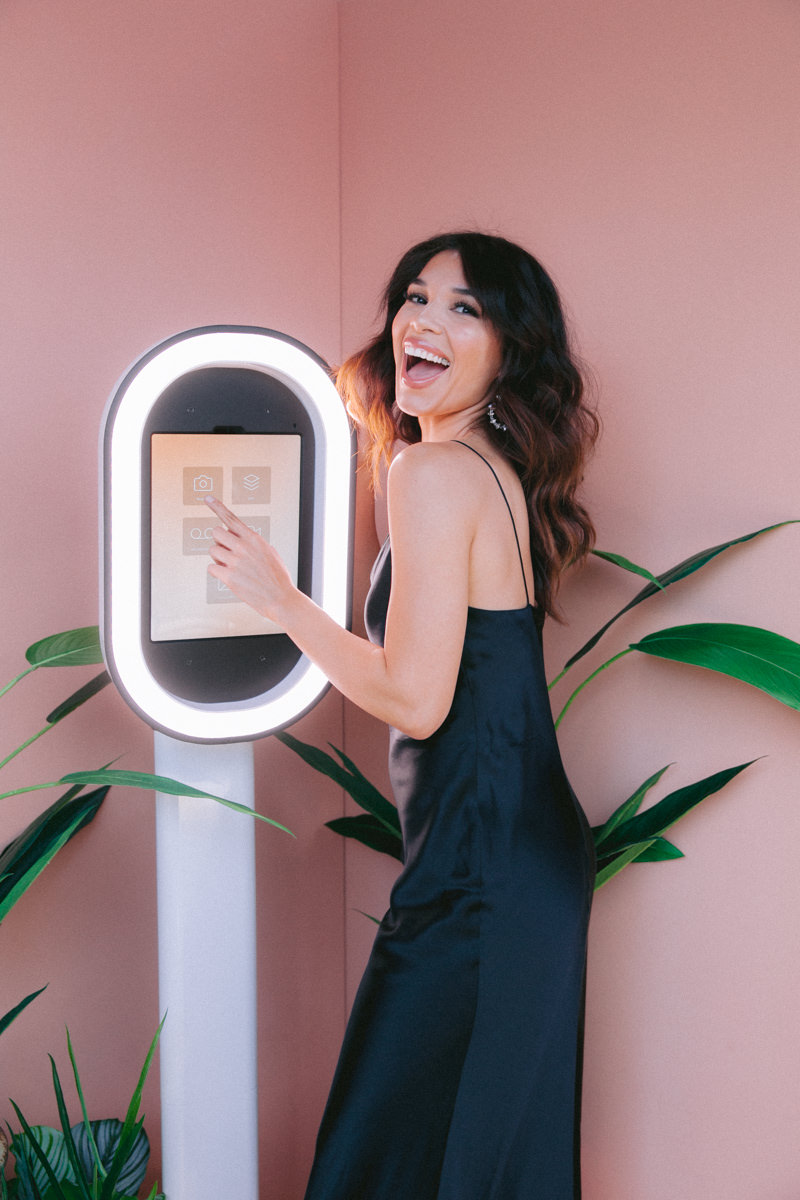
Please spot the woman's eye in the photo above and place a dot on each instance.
(415, 298)
(464, 307)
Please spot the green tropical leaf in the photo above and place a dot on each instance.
(159, 783)
(105, 1139)
(766, 660)
(653, 821)
(14, 1012)
(367, 796)
(625, 563)
(348, 777)
(626, 809)
(27, 856)
(680, 571)
(75, 647)
(71, 1191)
(76, 1175)
(615, 864)
(369, 916)
(33, 1149)
(132, 1126)
(370, 832)
(660, 851)
(79, 697)
(95, 1170)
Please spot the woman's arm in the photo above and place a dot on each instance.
(409, 681)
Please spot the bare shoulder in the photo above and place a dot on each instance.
(435, 472)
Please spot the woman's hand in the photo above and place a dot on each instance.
(409, 681)
(248, 565)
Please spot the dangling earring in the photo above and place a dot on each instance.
(493, 421)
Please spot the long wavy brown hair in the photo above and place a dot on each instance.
(550, 428)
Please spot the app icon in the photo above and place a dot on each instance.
(197, 537)
(259, 525)
(251, 485)
(199, 482)
(218, 592)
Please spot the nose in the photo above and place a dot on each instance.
(427, 317)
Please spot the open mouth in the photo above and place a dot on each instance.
(421, 366)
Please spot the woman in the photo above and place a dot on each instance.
(459, 1078)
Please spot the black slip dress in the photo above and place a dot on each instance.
(460, 1073)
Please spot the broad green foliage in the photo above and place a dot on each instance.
(765, 660)
(24, 859)
(92, 1160)
(660, 582)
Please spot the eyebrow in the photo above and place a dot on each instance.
(459, 291)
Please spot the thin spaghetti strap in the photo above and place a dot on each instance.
(508, 506)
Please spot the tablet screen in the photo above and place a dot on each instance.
(257, 475)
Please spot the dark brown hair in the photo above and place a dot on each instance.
(540, 391)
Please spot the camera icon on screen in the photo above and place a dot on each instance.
(201, 481)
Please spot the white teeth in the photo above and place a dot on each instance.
(416, 352)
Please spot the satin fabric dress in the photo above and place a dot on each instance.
(460, 1073)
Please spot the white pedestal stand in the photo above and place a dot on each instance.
(207, 974)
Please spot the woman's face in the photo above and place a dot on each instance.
(447, 355)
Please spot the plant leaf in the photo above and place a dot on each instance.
(653, 821)
(626, 809)
(131, 1128)
(348, 777)
(14, 1012)
(76, 1174)
(680, 571)
(160, 783)
(367, 796)
(105, 1137)
(89, 1144)
(78, 698)
(33, 1161)
(30, 831)
(766, 660)
(625, 563)
(71, 1191)
(369, 916)
(615, 865)
(660, 851)
(75, 647)
(27, 856)
(369, 831)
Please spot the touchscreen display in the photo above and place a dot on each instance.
(258, 476)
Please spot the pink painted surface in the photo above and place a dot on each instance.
(649, 155)
(164, 166)
(169, 166)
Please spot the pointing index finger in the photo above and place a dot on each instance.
(225, 515)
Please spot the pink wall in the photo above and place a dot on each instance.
(648, 153)
(172, 165)
(164, 166)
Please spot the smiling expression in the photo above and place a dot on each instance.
(447, 355)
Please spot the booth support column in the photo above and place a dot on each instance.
(205, 858)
